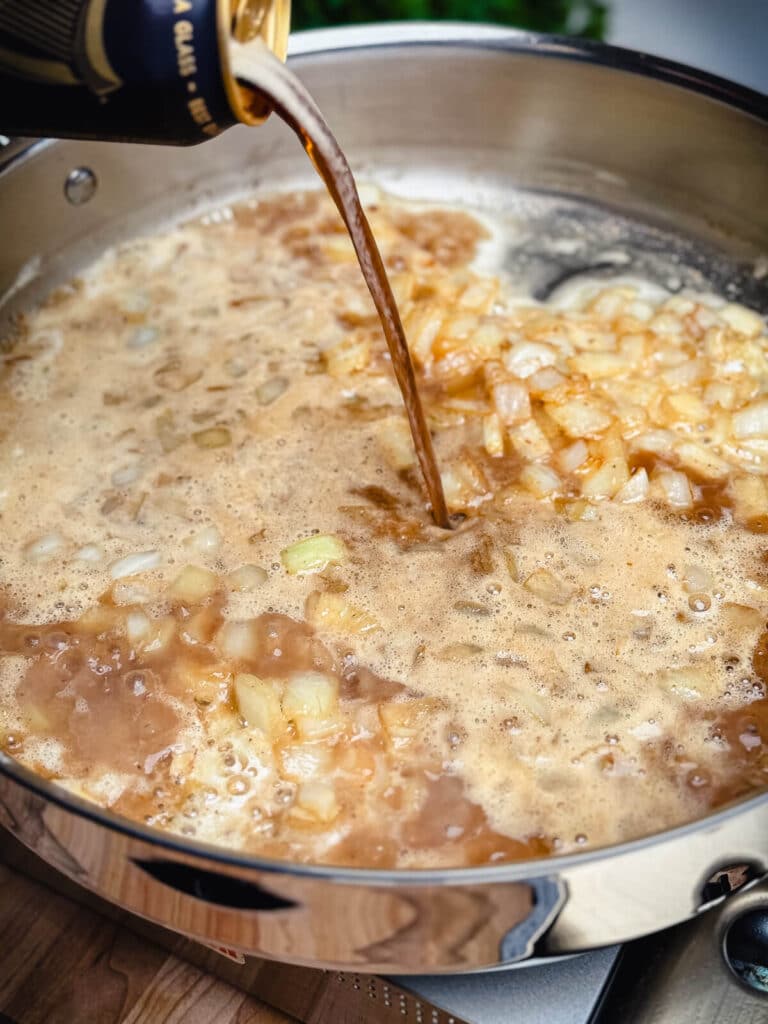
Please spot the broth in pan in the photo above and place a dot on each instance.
(226, 609)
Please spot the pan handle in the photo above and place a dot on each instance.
(519, 943)
(213, 887)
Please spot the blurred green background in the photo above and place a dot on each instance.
(575, 17)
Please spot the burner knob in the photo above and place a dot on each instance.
(745, 948)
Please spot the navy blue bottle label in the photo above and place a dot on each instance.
(136, 70)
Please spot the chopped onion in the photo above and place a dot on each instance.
(527, 357)
(751, 496)
(540, 480)
(143, 561)
(666, 323)
(44, 549)
(313, 554)
(259, 704)
(691, 683)
(702, 461)
(659, 442)
(569, 459)
(247, 578)
(137, 626)
(545, 380)
(458, 652)
(127, 475)
(742, 320)
(271, 390)
(142, 337)
(213, 437)
(685, 374)
(396, 443)
(751, 421)
(511, 401)
(493, 435)
(464, 483)
(317, 799)
(635, 489)
(238, 640)
(333, 612)
(605, 481)
(208, 540)
(578, 418)
(130, 593)
(350, 356)
(193, 585)
(310, 695)
(529, 441)
(676, 488)
(89, 553)
(550, 588)
(597, 365)
(422, 327)
(696, 580)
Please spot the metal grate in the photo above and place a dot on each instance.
(379, 1001)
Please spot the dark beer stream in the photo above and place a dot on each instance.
(255, 65)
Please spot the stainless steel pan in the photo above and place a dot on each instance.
(639, 165)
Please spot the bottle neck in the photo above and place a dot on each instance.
(243, 21)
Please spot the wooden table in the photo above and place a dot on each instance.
(61, 963)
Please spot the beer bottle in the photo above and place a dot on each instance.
(131, 70)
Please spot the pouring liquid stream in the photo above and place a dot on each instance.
(254, 64)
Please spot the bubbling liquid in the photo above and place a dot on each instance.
(226, 614)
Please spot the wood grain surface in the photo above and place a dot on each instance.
(64, 964)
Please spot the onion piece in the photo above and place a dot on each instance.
(89, 553)
(546, 379)
(607, 480)
(271, 390)
(213, 437)
(313, 554)
(752, 421)
(635, 489)
(529, 441)
(349, 356)
(511, 401)
(394, 439)
(238, 640)
(208, 540)
(692, 682)
(137, 626)
(597, 365)
(703, 461)
(333, 612)
(247, 578)
(527, 357)
(676, 488)
(569, 459)
(130, 565)
(44, 549)
(742, 320)
(258, 702)
(550, 588)
(578, 418)
(142, 337)
(318, 800)
(193, 585)
(310, 695)
(659, 442)
(493, 435)
(542, 481)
